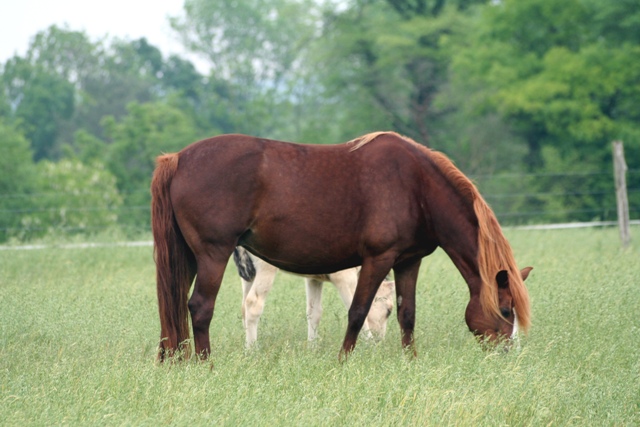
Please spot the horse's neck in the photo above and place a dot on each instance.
(457, 234)
(466, 261)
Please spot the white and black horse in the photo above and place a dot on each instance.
(257, 278)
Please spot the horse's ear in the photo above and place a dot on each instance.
(525, 272)
(503, 279)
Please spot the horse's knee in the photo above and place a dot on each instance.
(194, 304)
(201, 311)
(253, 307)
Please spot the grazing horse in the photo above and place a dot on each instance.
(381, 201)
(257, 278)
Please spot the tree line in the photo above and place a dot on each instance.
(506, 87)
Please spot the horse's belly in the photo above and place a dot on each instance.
(303, 254)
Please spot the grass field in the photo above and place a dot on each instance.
(79, 327)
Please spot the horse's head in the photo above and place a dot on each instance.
(491, 327)
(381, 308)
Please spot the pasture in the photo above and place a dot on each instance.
(79, 329)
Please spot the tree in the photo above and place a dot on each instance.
(73, 198)
(41, 100)
(181, 75)
(547, 68)
(43, 87)
(134, 143)
(17, 180)
(255, 48)
(561, 84)
(66, 83)
(402, 59)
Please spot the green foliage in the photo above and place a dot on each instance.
(562, 87)
(616, 22)
(16, 162)
(247, 41)
(79, 327)
(535, 26)
(400, 61)
(52, 197)
(44, 87)
(146, 132)
(560, 84)
(67, 83)
(73, 198)
(255, 48)
(43, 101)
(576, 96)
(503, 87)
(17, 180)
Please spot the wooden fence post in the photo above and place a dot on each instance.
(620, 170)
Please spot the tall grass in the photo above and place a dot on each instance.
(79, 327)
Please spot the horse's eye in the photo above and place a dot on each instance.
(506, 312)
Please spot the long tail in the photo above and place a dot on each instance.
(175, 263)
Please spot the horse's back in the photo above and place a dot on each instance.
(275, 197)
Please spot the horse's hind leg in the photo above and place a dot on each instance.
(246, 287)
(203, 299)
(254, 300)
(314, 306)
(406, 275)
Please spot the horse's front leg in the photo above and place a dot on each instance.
(406, 275)
(372, 274)
(345, 282)
(203, 300)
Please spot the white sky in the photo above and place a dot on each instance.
(20, 20)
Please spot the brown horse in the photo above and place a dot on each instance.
(381, 201)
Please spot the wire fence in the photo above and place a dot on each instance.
(517, 199)
(542, 198)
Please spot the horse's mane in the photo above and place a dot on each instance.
(494, 251)
(365, 139)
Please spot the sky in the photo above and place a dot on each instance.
(20, 20)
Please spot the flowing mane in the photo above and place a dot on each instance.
(494, 252)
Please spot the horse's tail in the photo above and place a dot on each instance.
(175, 265)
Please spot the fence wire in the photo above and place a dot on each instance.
(517, 199)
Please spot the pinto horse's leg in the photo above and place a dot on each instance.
(203, 300)
(254, 301)
(314, 306)
(406, 275)
(372, 274)
(246, 287)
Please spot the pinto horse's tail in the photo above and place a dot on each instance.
(175, 263)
